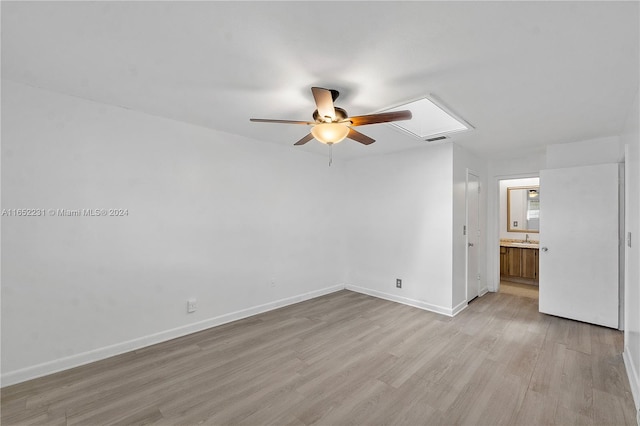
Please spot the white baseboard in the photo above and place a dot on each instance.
(50, 367)
(459, 308)
(634, 380)
(404, 300)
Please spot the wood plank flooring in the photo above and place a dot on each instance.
(347, 358)
(519, 289)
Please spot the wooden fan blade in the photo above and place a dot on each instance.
(268, 120)
(383, 117)
(324, 102)
(304, 140)
(359, 137)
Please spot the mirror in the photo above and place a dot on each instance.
(523, 209)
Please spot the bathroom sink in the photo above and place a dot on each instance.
(523, 244)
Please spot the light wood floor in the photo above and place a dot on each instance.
(347, 358)
(518, 289)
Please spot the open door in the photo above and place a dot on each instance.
(579, 211)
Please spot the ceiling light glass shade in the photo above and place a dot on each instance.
(330, 133)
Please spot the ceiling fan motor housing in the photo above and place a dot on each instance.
(341, 115)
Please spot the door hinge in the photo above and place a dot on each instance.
(478, 277)
(464, 230)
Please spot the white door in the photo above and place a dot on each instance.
(579, 243)
(473, 235)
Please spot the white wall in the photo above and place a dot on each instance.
(631, 140)
(399, 221)
(464, 160)
(504, 184)
(585, 153)
(210, 215)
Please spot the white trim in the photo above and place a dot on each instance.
(405, 300)
(50, 367)
(632, 374)
(622, 246)
(459, 308)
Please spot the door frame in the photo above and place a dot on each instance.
(493, 233)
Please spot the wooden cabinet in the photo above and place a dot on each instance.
(519, 264)
(503, 260)
(529, 266)
(514, 261)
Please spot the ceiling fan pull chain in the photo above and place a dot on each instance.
(330, 154)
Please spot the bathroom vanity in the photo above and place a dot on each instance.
(519, 261)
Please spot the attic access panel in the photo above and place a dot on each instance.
(429, 120)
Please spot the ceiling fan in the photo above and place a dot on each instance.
(332, 124)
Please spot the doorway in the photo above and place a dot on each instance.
(518, 236)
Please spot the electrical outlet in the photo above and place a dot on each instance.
(191, 305)
(398, 283)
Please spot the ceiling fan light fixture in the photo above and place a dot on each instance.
(332, 124)
(330, 133)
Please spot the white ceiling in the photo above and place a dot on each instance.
(524, 74)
